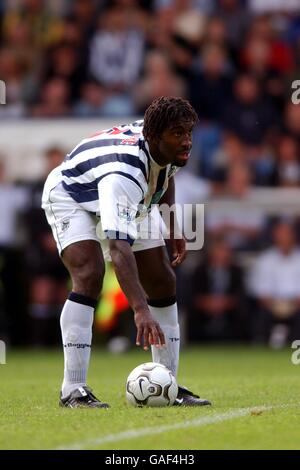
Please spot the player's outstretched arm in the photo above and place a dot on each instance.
(148, 330)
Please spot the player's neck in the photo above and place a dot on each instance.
(156, 156)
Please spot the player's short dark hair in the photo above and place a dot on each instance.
(166, 111)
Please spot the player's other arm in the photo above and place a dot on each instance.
(177, 244)
(118, 199)
(148, 330)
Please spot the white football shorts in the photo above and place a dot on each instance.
(72, 223)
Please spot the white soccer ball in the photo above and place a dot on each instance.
(151, 384)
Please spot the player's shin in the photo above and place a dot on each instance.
(166, 314)
(76, 326)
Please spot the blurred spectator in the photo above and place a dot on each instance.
(182, 54)
(239, 223)
(12, 72)
(216, 311)
(47, 277)
(160, 31)
(159, 79)
(13, 202)
(116, 51)
(177, 29)
(268, 6)
(83, 13)
(64, 61)
(17, 37)
(256, 60)
(233, 151)
(44, 27)
(187, 28)
(96, 101)
(216, 33)
(207, 138)
(292, 31)
(211, 83)
(72, 34)
(262, 162)
(93, 96)
(189, 22)
(274, 283)
(292, 120)
(249, 114)
(109, 42)
(279, 54)
(288, 164)
(237, 19)
(136, 12)
(54, 99)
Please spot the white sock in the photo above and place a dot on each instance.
(76, 326)
(167, 317)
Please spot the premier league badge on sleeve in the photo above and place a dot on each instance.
(126, 213)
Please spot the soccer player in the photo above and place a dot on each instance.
(98, 202)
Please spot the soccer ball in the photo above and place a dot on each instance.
(151, 384)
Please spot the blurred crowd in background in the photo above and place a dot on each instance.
(235, 60)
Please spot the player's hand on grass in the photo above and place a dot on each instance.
(148, 331)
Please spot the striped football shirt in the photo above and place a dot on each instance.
(113, 175)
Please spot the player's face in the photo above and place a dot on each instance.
(174, 145)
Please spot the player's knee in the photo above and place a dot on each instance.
(165, 284)
(169, 283)
(88, 280)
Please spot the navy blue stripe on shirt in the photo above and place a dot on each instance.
(82, 196)
(142, 146)
(85, 166)
(161, 179)
(129, 132)
(93, 145)
(90, 187)
(137, 123)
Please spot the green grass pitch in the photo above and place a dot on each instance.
(255, 394)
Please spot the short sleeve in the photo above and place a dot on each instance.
(119, 198)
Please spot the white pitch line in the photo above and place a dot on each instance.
(141, 432)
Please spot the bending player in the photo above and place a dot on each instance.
(98, 203)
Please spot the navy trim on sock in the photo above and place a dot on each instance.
(82, 299)
(166, 302)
